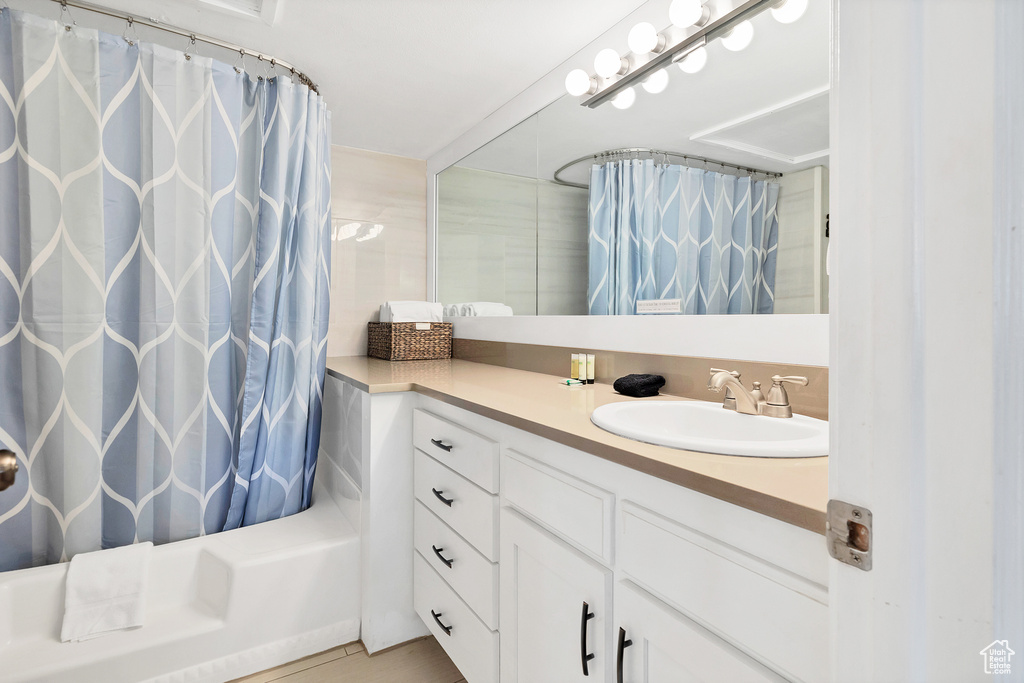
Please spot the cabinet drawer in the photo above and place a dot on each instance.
(471, 574)
(473, 456)
(576, 510)
(764, 609)
(471, 645)
(472, 512)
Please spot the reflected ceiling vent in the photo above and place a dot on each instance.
(793, 132)
(260, 9)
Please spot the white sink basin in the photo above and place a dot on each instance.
(709, 428)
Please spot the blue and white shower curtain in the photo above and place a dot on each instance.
(664, 231)
(164, 277)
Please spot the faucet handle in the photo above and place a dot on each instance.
(777, 403)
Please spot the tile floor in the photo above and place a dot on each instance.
(418, 661)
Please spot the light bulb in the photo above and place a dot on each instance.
(789, 11)
(694, 62)
(643, 38)
(686, 13)
(656, 82)
(607, 63)
(577, 82)
(739, 37)
(625, 99)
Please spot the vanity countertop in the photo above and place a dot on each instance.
(791, 490)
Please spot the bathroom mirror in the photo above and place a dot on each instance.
(517, 219)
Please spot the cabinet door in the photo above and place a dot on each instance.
(656, 644)
(548, 589)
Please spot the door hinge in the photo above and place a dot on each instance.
(849, 534)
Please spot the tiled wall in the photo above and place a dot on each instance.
(520, 241)
(366, 268)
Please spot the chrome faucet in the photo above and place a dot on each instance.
(8, 468)
(754, 402)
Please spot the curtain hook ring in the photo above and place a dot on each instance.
(69, 22)
(239, 65)
(130, 26)
(191, 46)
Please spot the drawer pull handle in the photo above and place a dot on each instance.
(437, 617)
(584, 655)
(438, 551)
(623, 644)
(442, 446)
(446, 501)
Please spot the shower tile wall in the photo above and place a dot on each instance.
(512, 239)
(367, 269)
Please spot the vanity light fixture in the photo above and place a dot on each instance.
(579, 82)
(644, 39)
(656, 82)
(788, 11)
(625, 99)
(687, 13)
(693, 62)
(608, 63)
(739, 37)
(653, 51)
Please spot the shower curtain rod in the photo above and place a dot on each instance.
(626, 151)
(191, 35)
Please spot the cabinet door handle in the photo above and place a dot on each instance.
(584, 655)
(442, 446)
(623, 644)
(438, 551)
(437, 617)
(446, 501)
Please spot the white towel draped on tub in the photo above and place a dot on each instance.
(106, 592)
(411, 312)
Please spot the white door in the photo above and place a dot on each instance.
(915, 137)
(656, 644)
(555, 608)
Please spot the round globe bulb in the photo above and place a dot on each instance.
(625, 99)
(656, 82)
(685, 13)
(789, 11)
(607, 63)
(739, 37)
(643, 38)
(577, 82)
(695, 61)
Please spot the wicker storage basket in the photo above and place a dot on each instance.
(408, 341)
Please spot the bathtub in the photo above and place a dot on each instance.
(218, 607)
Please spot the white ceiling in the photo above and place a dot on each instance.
(777, 81)
(404, 77)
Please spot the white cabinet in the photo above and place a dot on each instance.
(656, 644)
(455, 481)
(576, 550)
(555, 608)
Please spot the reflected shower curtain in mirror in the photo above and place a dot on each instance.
(164, 276)
(664, 231)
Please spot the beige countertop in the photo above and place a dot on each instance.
(792, 490)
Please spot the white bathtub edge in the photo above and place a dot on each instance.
(266, 656)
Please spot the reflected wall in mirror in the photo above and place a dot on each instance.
(710, 196)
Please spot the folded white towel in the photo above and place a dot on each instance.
(484, 308)
(105, 592)
(411, 312)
